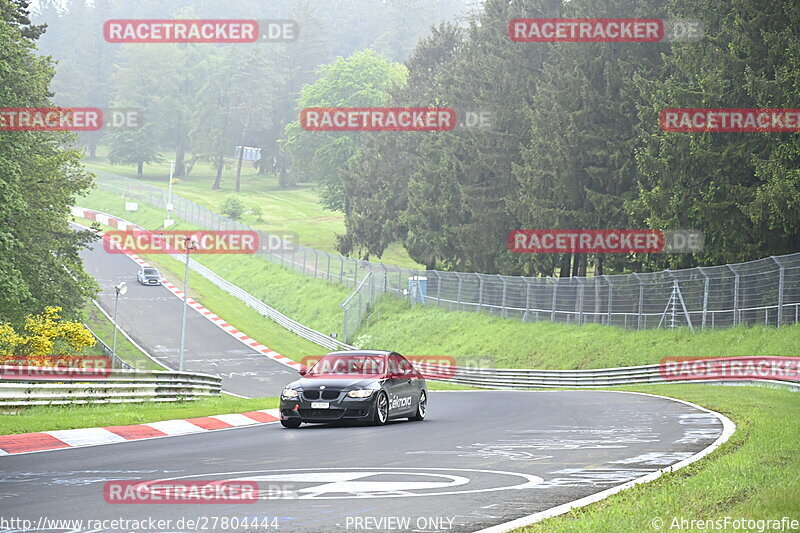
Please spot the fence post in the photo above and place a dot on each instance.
(580, 301)
(328, 269)
(641, 302)
(304, 259)
(505, 314)
(316, 262)
(610, 299)
(341, 270)
(344, 324)
(781, 278)
(735, 293)
(527, 299)
(480, 292)
(438, 288)
(705, 297)
(355, 273)
(458, 299)
(553, 305)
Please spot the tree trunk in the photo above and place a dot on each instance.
(139, 170)
(180, 159)
(218, 180)
(598, 265)
(576, 264)
(565, 264)
(92, 151)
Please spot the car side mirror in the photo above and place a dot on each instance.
(302, 371)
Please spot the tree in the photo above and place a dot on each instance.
(362, 80)
(375, 182)
(138, 82)
(739, 188)
(39, 181)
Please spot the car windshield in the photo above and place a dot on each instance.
(150, 272)
(345, 365)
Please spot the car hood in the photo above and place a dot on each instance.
(333, 382)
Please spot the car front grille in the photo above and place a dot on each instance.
(325, 395)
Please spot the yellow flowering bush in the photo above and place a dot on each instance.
(45, 338)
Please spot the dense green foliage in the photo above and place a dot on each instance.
(575, 141)
(39, 181)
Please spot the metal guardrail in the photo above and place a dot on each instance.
(499, 378)
(25, 386)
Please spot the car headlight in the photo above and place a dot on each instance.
(289, 393)
(362, 393)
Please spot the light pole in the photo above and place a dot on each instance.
(191, 244)
(121, 288)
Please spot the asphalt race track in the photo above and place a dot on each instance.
(151, 315)
(480, 459)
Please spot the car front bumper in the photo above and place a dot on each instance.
(342, 409)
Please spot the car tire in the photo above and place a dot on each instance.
(422, 407)
(291, 424)
(381, 415)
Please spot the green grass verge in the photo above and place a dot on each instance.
(50, 418)
(514, 344)
(755, 475)
(295, 210)
(508, 343)
(104, 328)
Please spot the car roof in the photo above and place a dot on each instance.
(363, 352)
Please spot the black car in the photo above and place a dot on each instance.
(365, 385)
(148, 276)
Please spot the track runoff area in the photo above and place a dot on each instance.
(481, 461)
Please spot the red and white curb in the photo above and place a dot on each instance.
(76, 438)
(110, 220)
